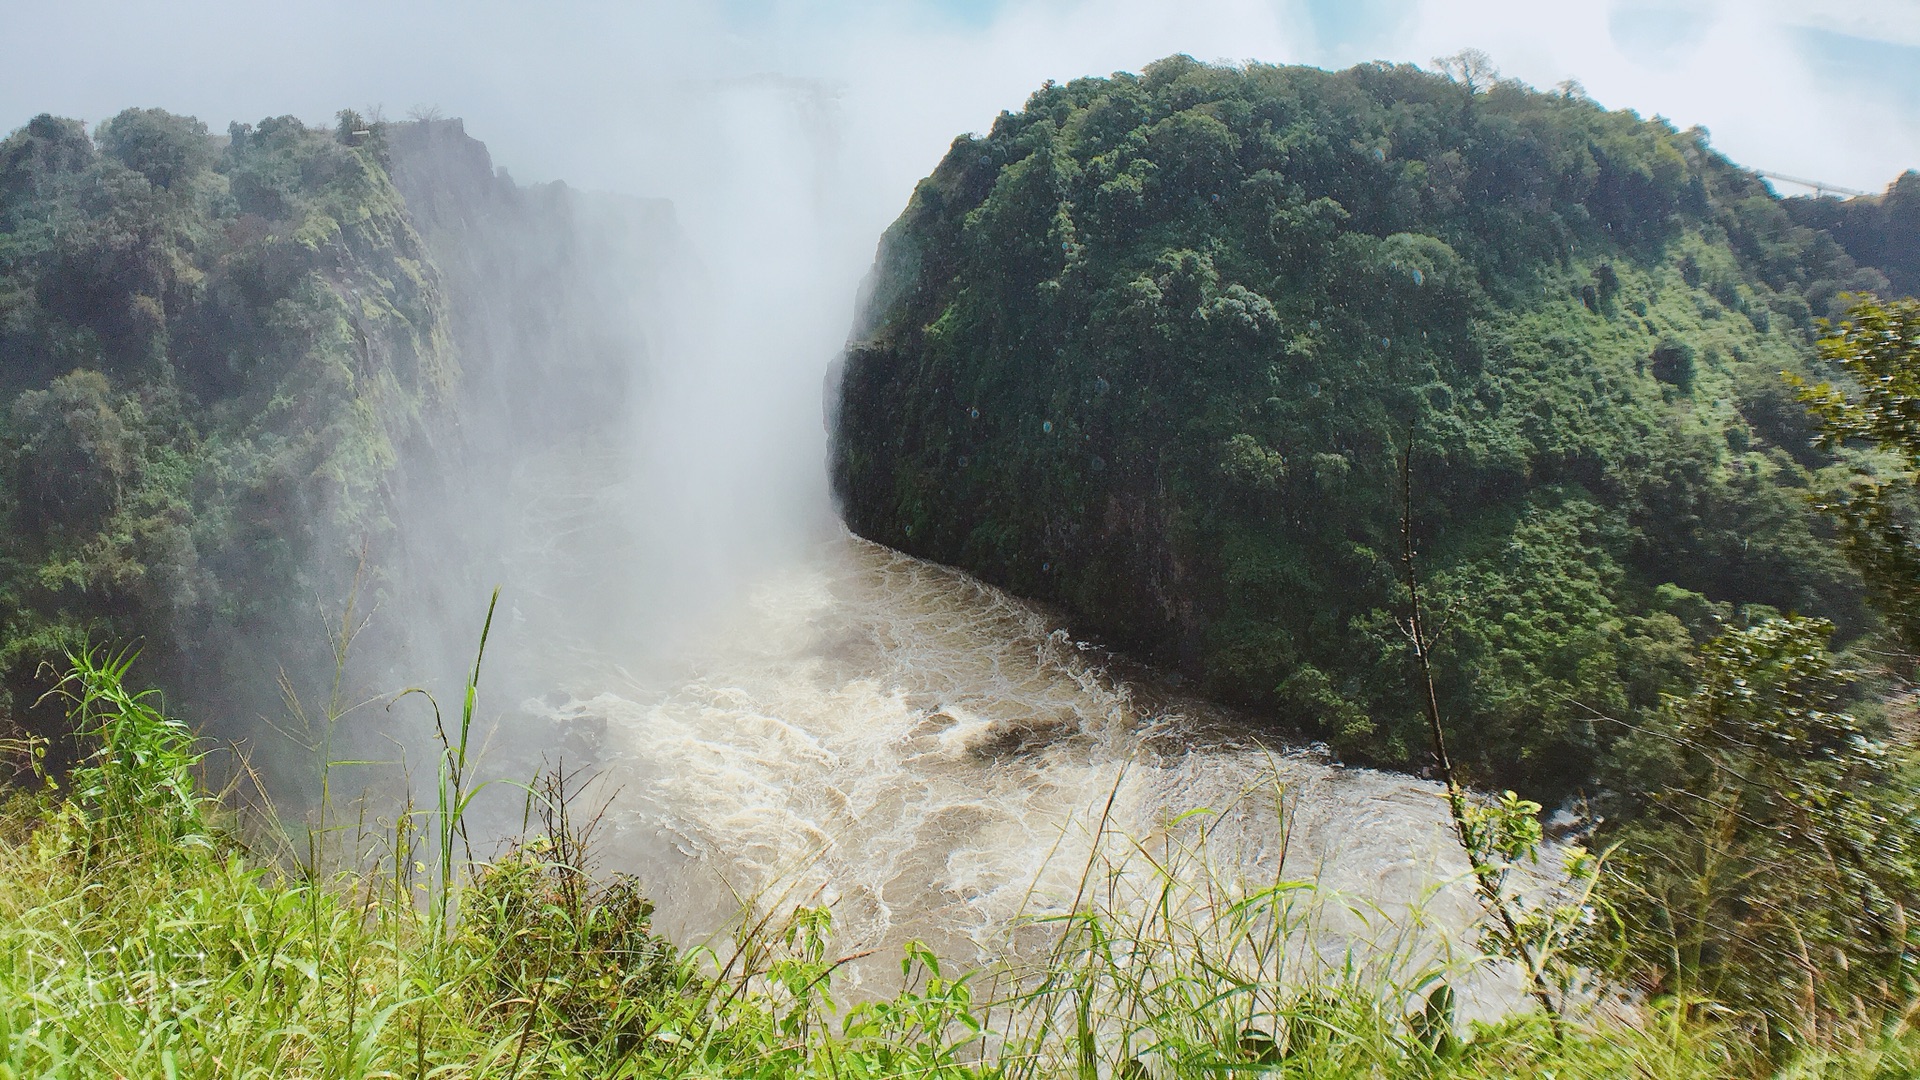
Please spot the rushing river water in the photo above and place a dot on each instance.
(938, 760)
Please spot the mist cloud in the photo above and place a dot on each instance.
(788, 135)
(619, 96)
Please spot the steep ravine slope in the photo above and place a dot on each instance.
(557, 299)
(216, 351)
(243, 374)
(1151, 348)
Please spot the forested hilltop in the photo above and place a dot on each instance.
(235, 380)
(1153, 347)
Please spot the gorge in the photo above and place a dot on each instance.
(1068, 594)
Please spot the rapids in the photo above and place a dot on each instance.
(936, 759)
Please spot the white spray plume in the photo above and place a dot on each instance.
(789, 134)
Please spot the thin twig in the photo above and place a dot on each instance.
(1486, 877)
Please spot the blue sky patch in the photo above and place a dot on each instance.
(1348, 30)
(1877, 69)
(1658, 35)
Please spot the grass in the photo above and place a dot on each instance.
(140, 937)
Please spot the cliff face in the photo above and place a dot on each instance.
(552, 291)
(1151, 349)
(214, 355)
(556, 298)
(241, 375)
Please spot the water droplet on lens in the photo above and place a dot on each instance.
(963, 461)
(1045, 566)
(1098, 464)
(909, 530)
(1419, 278)
(1046, 426)
(1216, 198)
(973, 414)
(1386, 343)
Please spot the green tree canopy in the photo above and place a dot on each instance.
(165, 148)
(1878, 350)
(1149, 349)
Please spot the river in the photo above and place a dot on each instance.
(937, 760)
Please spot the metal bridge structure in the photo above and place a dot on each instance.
(1820, 188)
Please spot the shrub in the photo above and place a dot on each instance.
(581, 954)
(138, 780)
(1769, 864)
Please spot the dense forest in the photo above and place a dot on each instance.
(1880, 231)
(216, 349)
(234, 368)
(1154, 347)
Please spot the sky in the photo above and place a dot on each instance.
(615, 95)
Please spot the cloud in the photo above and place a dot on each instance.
(1743, 70)
(1869, 69)
(609, 95)
(1892, 21)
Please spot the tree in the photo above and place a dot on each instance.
(1471, 68)
(158, 145)
(48, 146)
(72, 454)
(1878, 347)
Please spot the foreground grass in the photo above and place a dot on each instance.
(139, 940)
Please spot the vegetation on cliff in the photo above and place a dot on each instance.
(214, 351)
(1651, 486)
(1150, 349)
(1880, 231)
(248, 376)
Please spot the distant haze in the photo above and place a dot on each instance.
(649, 98)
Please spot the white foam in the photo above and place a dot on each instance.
(937, 760)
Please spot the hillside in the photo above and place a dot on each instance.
(1880, 231)
(216, 351)
(1151, 348)
(243, 373)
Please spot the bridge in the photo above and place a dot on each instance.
(1820, 188)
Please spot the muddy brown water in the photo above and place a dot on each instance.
(937, 760)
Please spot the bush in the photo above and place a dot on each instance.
(138, 779)
(1768, 860)
(582, 954)
(163, 147)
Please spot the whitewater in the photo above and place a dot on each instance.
(936, 760)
